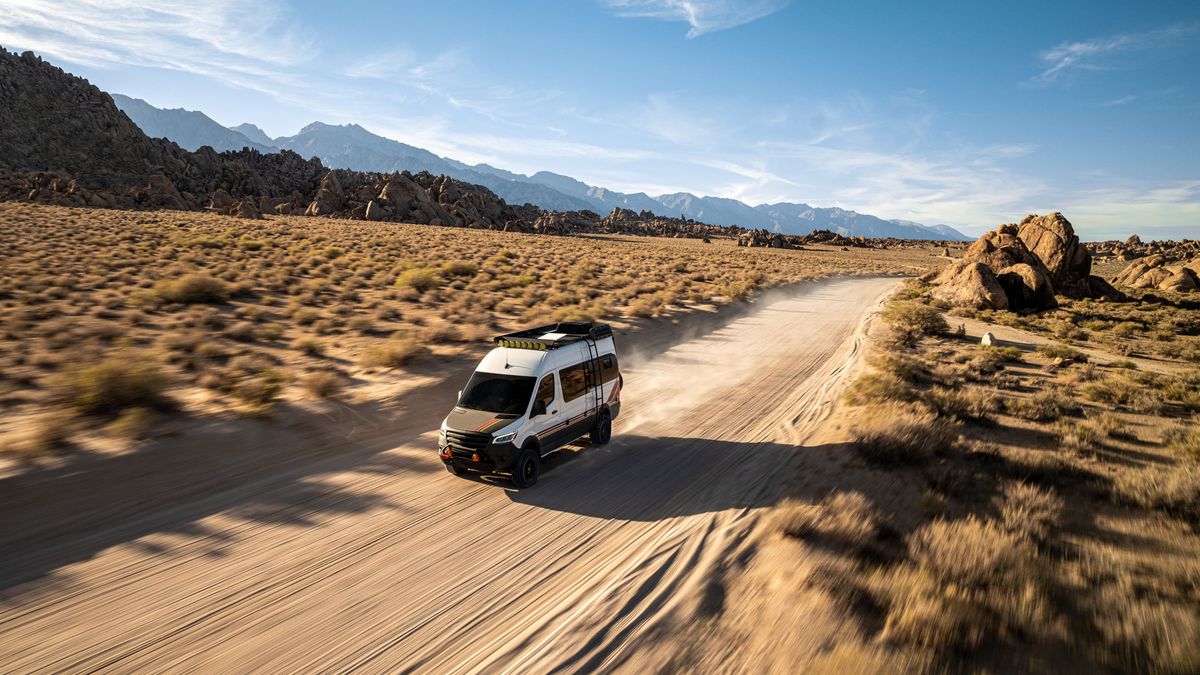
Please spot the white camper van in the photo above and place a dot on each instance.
(536, 391)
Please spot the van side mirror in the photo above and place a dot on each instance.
(539, 408)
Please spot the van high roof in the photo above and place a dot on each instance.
(552, 336)
(524, 352)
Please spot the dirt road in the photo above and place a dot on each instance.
(374, 558)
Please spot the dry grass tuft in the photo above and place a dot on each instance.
(911, 320)
(192, 289)
(1030, 511)
(324, 384)
(120, 381)
(1044, 406)
(133, 424)
(846, 520)
(393, 354)
(967, 582)
(897, 434)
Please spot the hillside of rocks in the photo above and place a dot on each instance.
(63, 141)
(1158, 272)
(1134, 248)
(1022, 267)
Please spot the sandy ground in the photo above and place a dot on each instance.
(344, 545)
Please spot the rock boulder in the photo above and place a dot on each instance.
(1053, 240)
(969, 283)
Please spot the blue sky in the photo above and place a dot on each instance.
(969, 114)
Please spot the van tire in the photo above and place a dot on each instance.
(526, 468)
(601, 431)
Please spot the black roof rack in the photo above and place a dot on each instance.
(569, 332)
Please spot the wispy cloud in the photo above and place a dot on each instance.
(1167, 210)
(1098, 53)
(703, 16)
(253, 45)
(1124, 100)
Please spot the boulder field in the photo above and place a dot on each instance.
(1022, 267)
(1155, 272)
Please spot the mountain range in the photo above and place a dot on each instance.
(350, 146)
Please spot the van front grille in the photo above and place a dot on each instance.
(467, 440)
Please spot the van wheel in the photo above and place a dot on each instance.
(526, 469)
(602, 431)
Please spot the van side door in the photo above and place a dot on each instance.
(578, 405)
(547, 427)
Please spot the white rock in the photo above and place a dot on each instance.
(987, 340)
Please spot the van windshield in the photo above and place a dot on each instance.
(494, 393)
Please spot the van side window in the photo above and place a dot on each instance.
(573, 381)
(545, 392)
(608, 368)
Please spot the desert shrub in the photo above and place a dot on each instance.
(902, 366)
(897, 434)
(1044, 406)
(1122, 392)
(845, 520)
(968, 582)
(989, 359)
(1146, 634)
(118, 382)
(1173, 489)
(393, 354)
(1058, 351)
(419, 279)
(1076, 437)
(1029, 510)
(970, 552)
(737, 290)
(242, 331)
(881, 387)
(459, 268)
(1184, 440)
(323, 384)
(972, 404)
(310, 346)
(132, 424)
(912, 320)
(260, 389)
(306, 316)
(647, 306)
(192, 289)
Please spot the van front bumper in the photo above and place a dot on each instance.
(494, 457)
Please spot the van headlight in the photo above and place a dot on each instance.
(504, 438)
(442, 438)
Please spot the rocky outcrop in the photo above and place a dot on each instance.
(1028, 287)
(765, 239)
(969, 283)
(1053, 240)
(1134, 248)
(1005, 269)
(1155, 272)
(247, 209)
